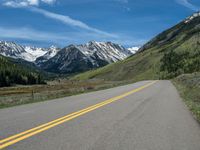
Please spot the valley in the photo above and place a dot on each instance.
(173, 52)
(100, 75)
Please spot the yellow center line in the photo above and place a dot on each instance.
(28, 133)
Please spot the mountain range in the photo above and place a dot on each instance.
(70, 59)
(16, 51)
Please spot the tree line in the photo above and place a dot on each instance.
(11, 73)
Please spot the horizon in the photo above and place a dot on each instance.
(42, 23)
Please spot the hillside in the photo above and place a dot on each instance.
(13, 72)
(171, 53)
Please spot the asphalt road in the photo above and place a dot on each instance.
(140, 116)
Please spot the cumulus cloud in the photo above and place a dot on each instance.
(189, 5)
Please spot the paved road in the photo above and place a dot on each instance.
(147, 118)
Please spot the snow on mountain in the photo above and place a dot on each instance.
(107, 51)
(51, 52)
(190, 18)
(33, 53)
(133, 49)
(13, 50)
(78, 58)
(73, 58)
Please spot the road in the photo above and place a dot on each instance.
(147, 115)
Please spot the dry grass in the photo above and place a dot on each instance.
(17, 95)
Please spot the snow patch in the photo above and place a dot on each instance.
(133, 50)
(197, 14)
(32, 53)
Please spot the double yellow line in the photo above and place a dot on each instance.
(28, 133)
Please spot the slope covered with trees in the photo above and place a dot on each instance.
(13, 73)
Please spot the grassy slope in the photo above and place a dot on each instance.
(142, 66)
(146, 64)
(189, 88)
(138, 67)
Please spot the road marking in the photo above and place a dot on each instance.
(28, 133)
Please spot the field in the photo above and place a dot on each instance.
(17, 95)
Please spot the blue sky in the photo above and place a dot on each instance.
(63, 22)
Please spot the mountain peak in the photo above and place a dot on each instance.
(190, 18)
(84, 57)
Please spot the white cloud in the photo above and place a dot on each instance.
(189, 5)
(29, 34)
(26, 3)
(121, 1)
(49, 1)
(87, 33)
(62, 18)
(69, 21)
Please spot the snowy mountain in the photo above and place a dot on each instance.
(106, 51)
(71, 59)
(133, 49)
(78, 58)
(51, 52)
(13, 50)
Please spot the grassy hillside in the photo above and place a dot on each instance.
(171, 53)
(138, 67)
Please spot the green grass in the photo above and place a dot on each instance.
(189, 87)
(145, 65)
(138, 67)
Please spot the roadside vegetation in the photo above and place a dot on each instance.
(189, 87)
(17, 95)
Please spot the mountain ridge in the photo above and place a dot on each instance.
(92, 55)
(85, 57)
